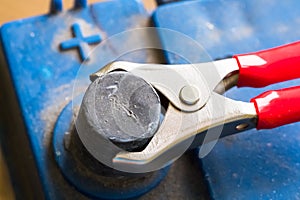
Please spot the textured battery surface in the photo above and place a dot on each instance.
(255, 164)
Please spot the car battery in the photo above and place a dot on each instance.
(46, 62)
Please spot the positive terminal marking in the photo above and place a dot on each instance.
(80, 42)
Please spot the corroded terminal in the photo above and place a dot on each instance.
(126, 110)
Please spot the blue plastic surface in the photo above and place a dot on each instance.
(254, 164)
(43, 70)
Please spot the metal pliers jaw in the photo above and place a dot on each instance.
(197, 109)
(187, 115)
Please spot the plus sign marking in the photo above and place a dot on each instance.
(80, 42)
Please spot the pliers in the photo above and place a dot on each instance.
(198, 114)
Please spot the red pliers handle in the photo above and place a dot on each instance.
(278, 107)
